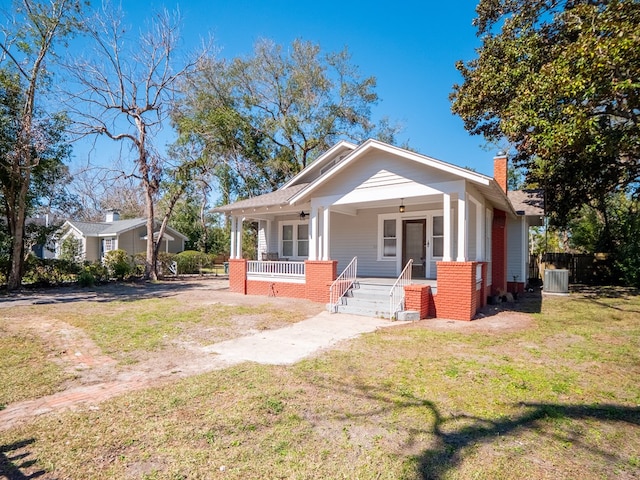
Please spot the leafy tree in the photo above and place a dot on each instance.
(561, 81)
(125, 92)
(71, 249)
(260, 120)
(29, 36)
(613, 230)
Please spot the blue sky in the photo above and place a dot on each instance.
(410, 47)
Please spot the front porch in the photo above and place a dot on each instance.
(460, 290)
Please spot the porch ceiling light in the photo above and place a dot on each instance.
(303, 215)
(401, 205)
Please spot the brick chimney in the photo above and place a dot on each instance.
(500, 169)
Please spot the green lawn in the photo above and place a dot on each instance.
(559, 399)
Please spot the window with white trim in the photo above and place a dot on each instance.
(437, 236)
(387, 237)
(294, 239)
(109, 244)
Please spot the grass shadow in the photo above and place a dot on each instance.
(597, 295)
(115, 291)
(15, 462)
(435, 463)
(454, 433)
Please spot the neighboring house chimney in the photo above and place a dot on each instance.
(500, 170)
(112, 216)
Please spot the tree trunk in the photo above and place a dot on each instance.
(150, 270)
(18, 213)
(17, 253)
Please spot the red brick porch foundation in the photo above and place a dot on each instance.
(318, 278)
(460, 292)
(420, 299)
(238, 275)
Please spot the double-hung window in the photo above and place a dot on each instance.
(387, 238)
(294, 240)
(437, 236)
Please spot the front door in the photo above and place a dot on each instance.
(414, 245)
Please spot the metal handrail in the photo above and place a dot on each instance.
(396, 295)
(342, 284)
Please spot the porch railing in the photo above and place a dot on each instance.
(275, 269)
(396, 295)
(342, 284)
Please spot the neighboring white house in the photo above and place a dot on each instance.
(130, 235)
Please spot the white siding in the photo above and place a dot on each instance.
(379, 175)
(515, 249)
(471, 231)
(358, 236)
(262, 239)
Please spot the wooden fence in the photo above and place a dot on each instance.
(583, 268)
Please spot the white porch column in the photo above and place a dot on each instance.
(239, 229)
(313, 233)
(446, 225)
(325, 233)
(463, 243)
(479, 231)
(267, 238)
(232, 253)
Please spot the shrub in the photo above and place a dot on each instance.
(97, 270)
(86, 278)
(49, 271)
(165, 260)
(139, 261)
(191, 261)
(119, 264)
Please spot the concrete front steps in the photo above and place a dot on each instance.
(370, 300)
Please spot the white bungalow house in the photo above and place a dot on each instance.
(447, 237)
(130, 235)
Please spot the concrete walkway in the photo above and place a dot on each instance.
(293, 343)
(273, 347)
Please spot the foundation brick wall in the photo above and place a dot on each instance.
(420, 299)
(276, 289)
(238, 275)
(457, 297)
(320, 275)
(498, 252)
(515, 287)
(483, 288)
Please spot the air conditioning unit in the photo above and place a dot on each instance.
(556, 281)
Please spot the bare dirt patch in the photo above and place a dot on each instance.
(502, 322)
(179, 356)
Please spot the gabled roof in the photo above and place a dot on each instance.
(300, 188)
(378, 145)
